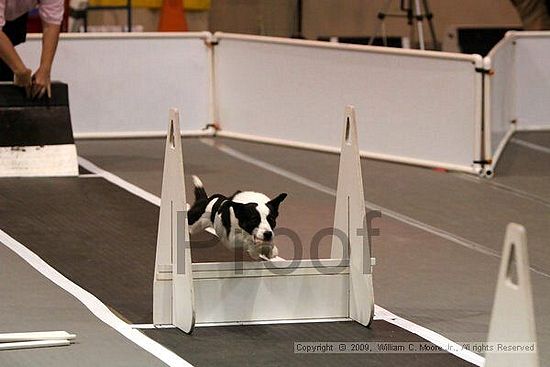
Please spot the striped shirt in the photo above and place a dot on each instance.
(51, 11)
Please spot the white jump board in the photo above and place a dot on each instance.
(38, 161)
(270, 291)
(313, 289)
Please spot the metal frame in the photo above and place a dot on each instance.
(186, 294)
(412, 13)
(127, 7)
(476, 59)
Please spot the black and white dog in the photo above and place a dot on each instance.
(245, 219)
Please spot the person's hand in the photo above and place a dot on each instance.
(41, 83)
(22, 78)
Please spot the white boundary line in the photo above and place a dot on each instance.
(473, 169)
(93, 304)
(532, 127)
(501, 145)
(431, 336)
(421, 331)
(89, 175)
(508, 189)
(533, 146)
(114, 179)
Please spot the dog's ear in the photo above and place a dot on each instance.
(274, 203)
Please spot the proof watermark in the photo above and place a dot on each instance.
(362, 236)
(411, 347)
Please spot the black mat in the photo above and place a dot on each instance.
(103, 239)
(273, 345)
(97, 235)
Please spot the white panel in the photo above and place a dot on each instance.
(517, 93)
(416, 106)
(39, 161)
(500, 96)
(127, 82)
(271, 298)
(533, 80)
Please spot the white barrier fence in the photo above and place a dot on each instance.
(420, 107)
(426, 108)
(120, 84)
(518, 91)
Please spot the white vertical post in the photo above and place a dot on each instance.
(173, 301)
(350, 219)
(513, 319)
(183, 298)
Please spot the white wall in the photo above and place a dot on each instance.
(532, 59)
(415, 107)
(125, 83)
(519, 89)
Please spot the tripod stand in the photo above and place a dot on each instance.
(413, 14)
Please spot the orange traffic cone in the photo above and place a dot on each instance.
(172, 17)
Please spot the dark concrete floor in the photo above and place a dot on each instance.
(427, 269)
(421, 275)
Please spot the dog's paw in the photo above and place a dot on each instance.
(269, 253)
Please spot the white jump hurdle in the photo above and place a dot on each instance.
(187, 294)
(513, 318)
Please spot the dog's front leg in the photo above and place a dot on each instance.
(199, 226)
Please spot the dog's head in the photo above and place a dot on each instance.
(257, 214)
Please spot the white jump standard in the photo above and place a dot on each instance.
(513, 316)
(202, 294)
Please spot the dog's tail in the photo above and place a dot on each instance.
(200, 192)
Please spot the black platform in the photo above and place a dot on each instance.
(90, 230)
(12, 96)
(34, 122)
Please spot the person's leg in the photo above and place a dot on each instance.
(6, 75)
(16, 30)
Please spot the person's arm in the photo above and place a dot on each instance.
(12, 59)
(51, 13)
(10, 56)
(41, 78)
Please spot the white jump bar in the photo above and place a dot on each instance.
(34, 344)
(35, 336)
